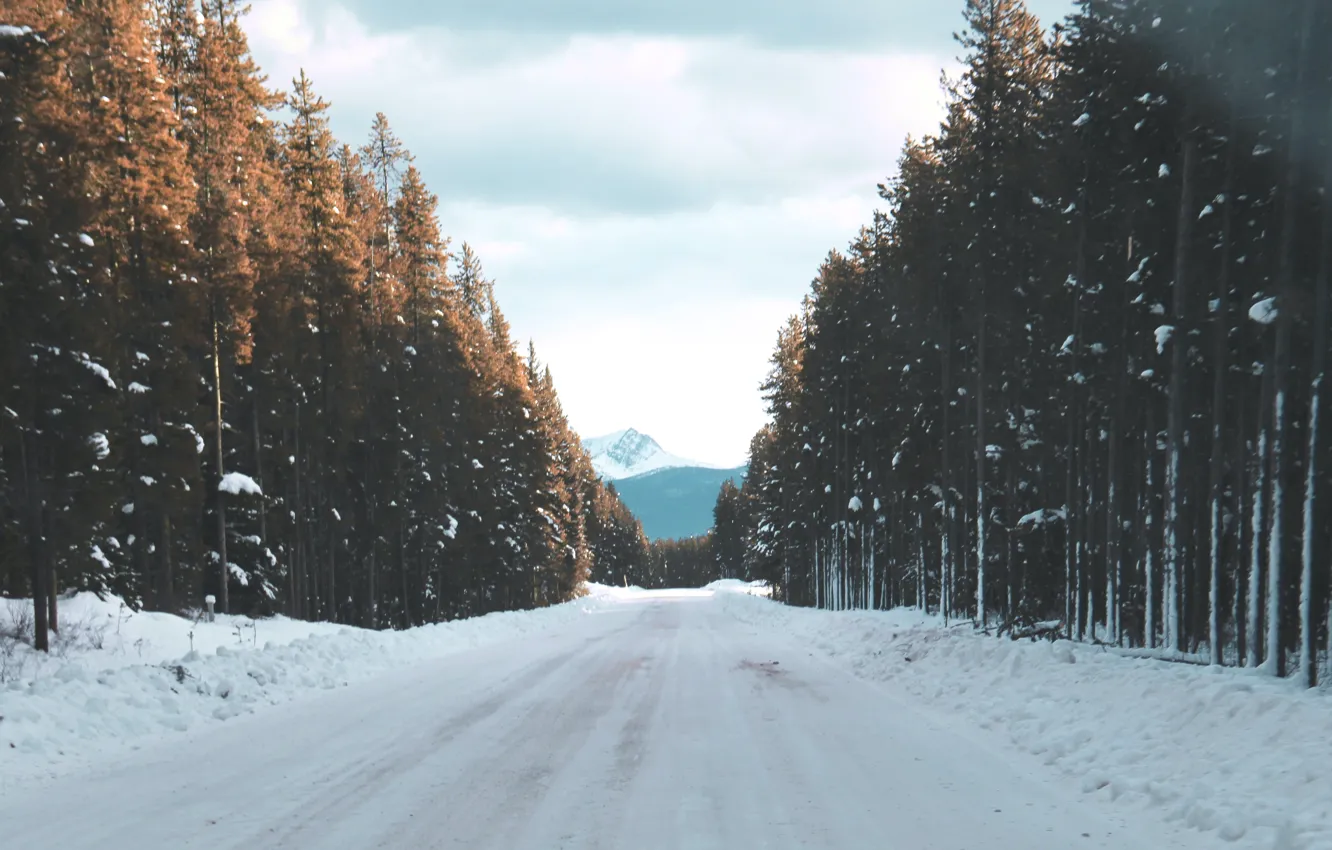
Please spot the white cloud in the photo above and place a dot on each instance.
(610, 122)
(652, 207)
(687, 377)
(662, 323)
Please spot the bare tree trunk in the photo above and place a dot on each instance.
(1275, 661)
(1258, 525)
(1239, 605)
(167, 597)
(982, 454)
(1173, 549)
(1070, 603)
(945, 474)
(217, 446)
(1072, 469)
(298, 568)
(1220, 345)
(1087, 493)
(331, 586)
(37, 554)
(1009, 559)
(1308, 626)
(259, 465)
(922, 589)
(1149, 566)
(36, 547)
(52, 599)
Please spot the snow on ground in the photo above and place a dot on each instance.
(1237, 755)
(731, 585)
(106, 634)
(658, 724)
(1243, 759)
(634, 592)
(118, 678)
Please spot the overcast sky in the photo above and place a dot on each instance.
(652, 184)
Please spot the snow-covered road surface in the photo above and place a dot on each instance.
(661, 722)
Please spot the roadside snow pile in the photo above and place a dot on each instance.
(636, 593)
(104, 634)
(58, 712)
(1225, 751)
(732, 585)
(610, 591)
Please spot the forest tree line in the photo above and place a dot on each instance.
(687, 561)
(1072, 375)
(239, 358)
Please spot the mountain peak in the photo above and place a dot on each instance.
(629, 452)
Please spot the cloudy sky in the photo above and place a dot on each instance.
(652, 184)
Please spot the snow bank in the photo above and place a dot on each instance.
(633, 592)
(107, 634)
(131, 677)
(732, 585)
(1229, 752)
(611, 591)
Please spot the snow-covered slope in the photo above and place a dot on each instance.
(627, 453)
(116, 678)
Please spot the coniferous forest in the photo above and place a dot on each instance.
(1070, 380)
(239, 358)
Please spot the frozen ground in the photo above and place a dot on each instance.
(670, 719)
(106, 634)
(1243, 759)
(118, 680)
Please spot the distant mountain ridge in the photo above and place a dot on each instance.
(627, 453)
(675, 502)
(672, 496)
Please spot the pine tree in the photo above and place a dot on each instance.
(991, 367)
(193, 290)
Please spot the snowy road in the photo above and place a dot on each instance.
(657, 723)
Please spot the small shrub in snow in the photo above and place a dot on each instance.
(16, 631)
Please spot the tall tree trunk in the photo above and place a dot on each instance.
(982, 454)
(1085, 518)
(225, 576)
(1173, 549)
(922, 588)
(1220, 346)
(1239, 605)
(331, 584)
(1009, 555)
(166, 599)
(1149, 566)
(37, 555)
(259, 470)
(36, 544)
(1308, 626)
(52, 599)
(298, 599)
(1258, 525)
(1080, 562)
(1275, 661)
(945, 472)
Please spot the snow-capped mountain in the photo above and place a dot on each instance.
(627, 453)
